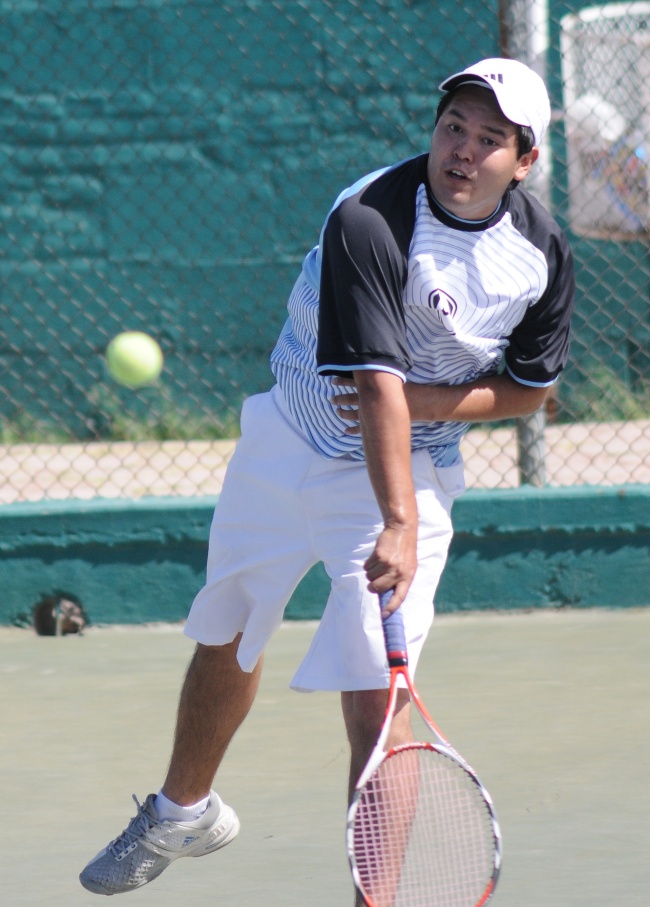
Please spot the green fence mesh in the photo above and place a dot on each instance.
(166, 164)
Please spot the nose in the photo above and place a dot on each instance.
(463, 149)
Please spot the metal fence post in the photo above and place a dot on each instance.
(531, 449)
(523, 35)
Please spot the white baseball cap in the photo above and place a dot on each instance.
(520, 92)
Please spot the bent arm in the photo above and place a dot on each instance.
(484, 400)
(385, 424)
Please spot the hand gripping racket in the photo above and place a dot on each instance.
(421, 829)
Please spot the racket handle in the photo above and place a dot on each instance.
(394, 635)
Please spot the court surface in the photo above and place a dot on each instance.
(553, 710)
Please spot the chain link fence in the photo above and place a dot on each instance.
(166, 164)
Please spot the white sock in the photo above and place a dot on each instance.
(168, 810)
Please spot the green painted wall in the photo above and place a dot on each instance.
(133, 562)
(136, 138)
(166, 164)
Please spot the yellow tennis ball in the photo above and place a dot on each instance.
(134, 359)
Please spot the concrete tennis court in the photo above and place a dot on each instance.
(553, 709)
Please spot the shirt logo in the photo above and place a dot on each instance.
(445, 307)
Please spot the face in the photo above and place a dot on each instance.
(474, 155)
(71, 619)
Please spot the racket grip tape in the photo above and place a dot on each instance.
(394, 635)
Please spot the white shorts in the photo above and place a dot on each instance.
(283, 508)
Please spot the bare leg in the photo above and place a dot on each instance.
(215, 698)
(363, 712)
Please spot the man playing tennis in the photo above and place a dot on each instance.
(439, 295)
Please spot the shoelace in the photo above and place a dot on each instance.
(137, 827)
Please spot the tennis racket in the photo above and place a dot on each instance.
(421, 828)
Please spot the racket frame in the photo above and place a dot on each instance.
(397, 656)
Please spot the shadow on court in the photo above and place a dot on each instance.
(551, 708)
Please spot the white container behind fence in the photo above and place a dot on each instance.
(606, 74)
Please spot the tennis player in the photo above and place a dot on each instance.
(439, 295)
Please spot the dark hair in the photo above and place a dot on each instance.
(59, 614)
(523, 134)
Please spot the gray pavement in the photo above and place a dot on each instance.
(551, 708)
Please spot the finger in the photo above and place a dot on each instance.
(352, 430)
(350, 415)
(349, 399)
(393, 603)
(344, 382)
(385, 601)
(381, 578)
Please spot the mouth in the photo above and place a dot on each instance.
(457, 175)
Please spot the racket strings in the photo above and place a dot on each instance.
(423, 833)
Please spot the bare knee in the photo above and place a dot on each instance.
(214, 670)
(225, 652)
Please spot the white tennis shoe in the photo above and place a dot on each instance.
(149, 845)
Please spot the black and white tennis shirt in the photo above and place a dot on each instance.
(399, 284)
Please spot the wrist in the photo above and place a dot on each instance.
(419, 402)
(402, 522)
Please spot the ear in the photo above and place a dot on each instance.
(525, 163)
